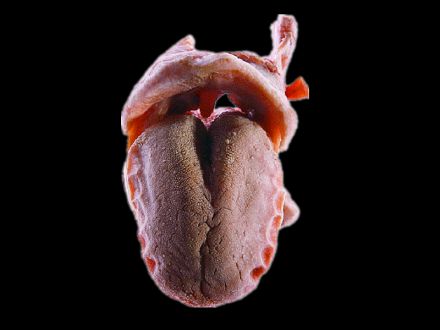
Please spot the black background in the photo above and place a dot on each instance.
(89, 264)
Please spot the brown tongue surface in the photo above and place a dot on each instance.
(206, 202)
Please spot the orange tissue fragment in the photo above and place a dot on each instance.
(298, 90)
(207, 102)
(257, 272)
(275, 227)
(267, 255)
(151, 264)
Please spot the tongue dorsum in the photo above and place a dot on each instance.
(254, 84)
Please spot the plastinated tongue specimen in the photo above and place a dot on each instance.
(205, 183)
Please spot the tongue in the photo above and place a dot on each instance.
(208, 204)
